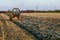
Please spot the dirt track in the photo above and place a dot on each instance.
(51, 15)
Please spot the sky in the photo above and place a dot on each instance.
(30, 4)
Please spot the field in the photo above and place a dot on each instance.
(33, 26)
(45, 25)
(51, 15)
(10, 31)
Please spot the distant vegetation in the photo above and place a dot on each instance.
(37, 11)
(33, 11)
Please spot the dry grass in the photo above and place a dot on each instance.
(10, 31)
(52, 15)
(13, 32)
(4, 17)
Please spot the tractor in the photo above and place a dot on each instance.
(15, 14)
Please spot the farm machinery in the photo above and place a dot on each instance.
(15, 14)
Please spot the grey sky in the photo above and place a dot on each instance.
(30, 4)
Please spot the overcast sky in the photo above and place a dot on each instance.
(30, 4)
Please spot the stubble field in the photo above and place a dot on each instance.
(33, 26)
(51, 15)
